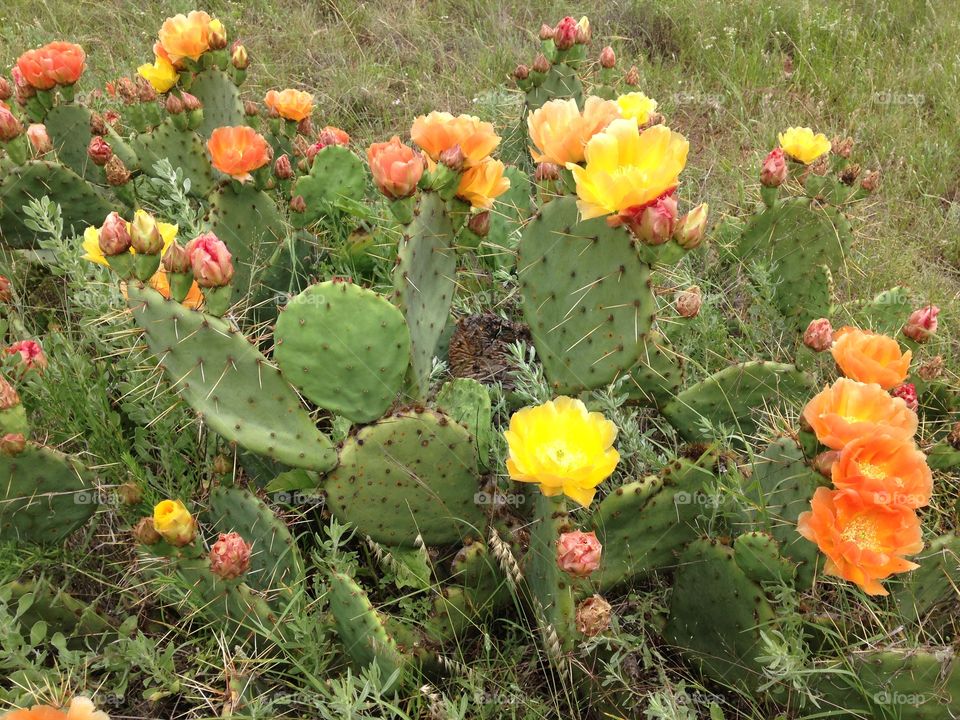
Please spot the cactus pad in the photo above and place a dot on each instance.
(737, 398)
(658, 374)
(183, 149)
(336, 176)
(935, 583)
(414, 473)
(758, 555)
(69, 128)
(229, 383)
(46, 496)
(586, 297)
(346, 348)
(560, 83)
(220, 97)
(468, 402)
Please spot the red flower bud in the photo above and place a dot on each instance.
(908, 393)
(479, 224)
(578, 553)
(114, 238)
(656, 221)
(607, 58)
(174, 104)
(565, 33)
(453, 158)
(773, 172)
(298, 204)
(99, 151)
(333, 136)
(819, 335)
(31, 355)
(922, 324)
(12, 444)
(522, 72)
(177, 259)
(230, 556)
(282, 168)
(190, 102)
(211, 261)
(10, 126)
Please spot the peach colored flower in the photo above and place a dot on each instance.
(396, 168)
(560, 132)
(237, 151)
(57, 63)
(849, 409)
(870, 358)
(887, 470)
(863, 542)
(481, 184)
(441, 131)
(81, 708)
(185, 36)
(578, 553)
(290, 104)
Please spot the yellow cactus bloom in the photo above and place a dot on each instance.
(563, 447)
(802, 145)
(627, 168)
(162, 75)
(638, 106)
(174, 522)
(91, 241)
(481, 184)
(440, 131)
(560, 132)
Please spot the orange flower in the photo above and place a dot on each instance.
(886, 470)
(161, 284)
(864, 542)
(290, 104)
(185, 36)
(57, 63)
(440, 131)
(482, 183)
(559, 131)
(848, 410)
(237, 151)
(81, 708)
(870, 358)
(396, 168)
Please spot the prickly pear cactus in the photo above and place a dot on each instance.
(468, 402)
(346, 348)
(935, 583)
(229, 383)
(68, 125)
(658, 375)
(586, 296)
(218, 93)
(46, 495)
(337, 176)
(183, 148)
(410, 475)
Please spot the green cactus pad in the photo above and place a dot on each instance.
(220, 97)
(414, 473)
(275, 561)
(361, 629)
(737, 398)
(886, 313)
(248, 222)
(779, 488)
(507, 216)
(468, 402)
(78, 621)
(346, 348)
(337, 176)
(81, 205)
(758, 555)
(69, 128)
(935, 583)
(551, 589)
(425, 280)
(560, 83)
(229, 383)
(46, 496)
(642, 525)
(586, 297)
(799, 238)
(716, 615)
(943, 456)
(658, 374)
(183, 148)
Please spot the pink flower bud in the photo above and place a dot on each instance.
(922, 324)
(127, 90)
(99, 151)
(174, 104)
(312, 151)
(282, 168)
(578, 553)
(541, 64)
(6, 293)
(333, 136)
(112, 118)
(688, 302)
(211, 261)
(305, 127)
(31, 355)
(298, 204)
(6, 90)
(565, 33)
(12, 444)
(145, 234)
(931, 369)
(657, 221)
(177, 259)
(116, 171)
(146, 533)
(145, 91)
(10, 126)
(607, 58)
(522, 72)
(823, 463)
(453, 158)
(480, 223)
(692, 226)
(819, 335)
(114, 238)
(190, 102)
(546, 171)
(593, 616)
(230, 556)
(9, 397)
(546, 32)
(773, 172)
(39, 139)
(632, 78)
(250, 108)
(908, 393)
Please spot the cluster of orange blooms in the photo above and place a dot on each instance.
(867, 523)
(56, 63)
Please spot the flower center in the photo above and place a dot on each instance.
(862, 531)
(872, 472)
(562, 456)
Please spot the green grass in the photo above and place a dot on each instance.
(727, 75)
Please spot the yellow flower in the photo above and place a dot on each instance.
(562, 447)
(91, 241)
(560, 132)
(174, 522)
(481, 184)
(638, 106)
(626, 168)
(802, 145)
(162, 75)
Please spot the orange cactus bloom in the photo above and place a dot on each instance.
(441, 131)
(396, 168)
(237, 151)
(161, 283)
(185, 36)
(863, 542)
(290, 104)
(849, 409)
(81, 708)
(887, 470)
(57, 63)
(870, 358)
(559, 131)
(483, 183)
